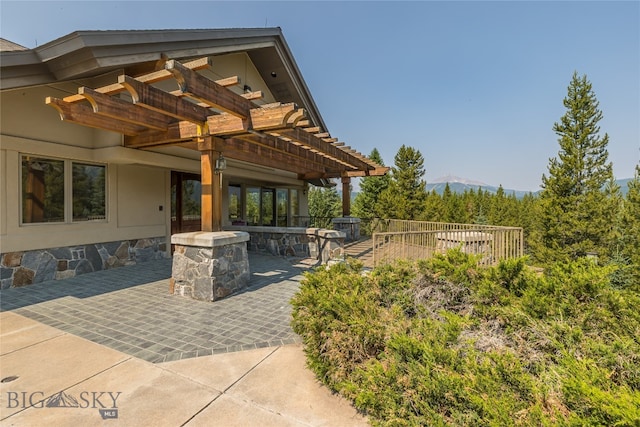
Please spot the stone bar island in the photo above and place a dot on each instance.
(208, 266)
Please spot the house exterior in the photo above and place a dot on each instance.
(113, 141)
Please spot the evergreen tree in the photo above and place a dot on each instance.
(453, 207)
(433, 207)
(365, 204)
(630, 227)
(406, 193)
(324, 205)
(482, 206)
(574, 217)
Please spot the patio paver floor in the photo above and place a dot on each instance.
(130, 310)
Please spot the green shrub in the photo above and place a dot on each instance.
(444, 342)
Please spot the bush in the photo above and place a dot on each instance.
(444, 342)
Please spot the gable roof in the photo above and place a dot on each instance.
(84, 54)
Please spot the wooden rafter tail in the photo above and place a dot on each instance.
(368, 172)
(156, 76)
(313, 130)
(268, 117)
(322, 135)
(311, 141)
(164, 74)
(272, 117)
(227, 81)
(204, 90)
(246, 149)
(252, 96)
(304, 123)
(296, 118)
(83, 114)
(176, 133)
(337, 144)
(292, 150)
(162, 102)
(120, 109)
(330, 140)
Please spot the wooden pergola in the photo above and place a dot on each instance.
(207, 116)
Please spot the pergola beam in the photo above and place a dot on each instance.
(157, 76)
(120, 109)
(274, 135)
(162, 102)
(204, 90)
(264, 155)
(83, 115)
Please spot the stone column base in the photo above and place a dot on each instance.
(348, 225)
(208, 266)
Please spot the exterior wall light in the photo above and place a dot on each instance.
(221, 164)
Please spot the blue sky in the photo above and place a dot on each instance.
(475, 86)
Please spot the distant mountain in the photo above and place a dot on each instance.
(460, 185)
(624, 185)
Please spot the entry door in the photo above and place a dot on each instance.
(186, 191)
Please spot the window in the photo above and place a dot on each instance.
(42, 190)
(191, 199)
(253, 206)
(45, 191)
(235, 203)
(294, 208)
(267, 206)
(264, 206)
(88, 187)
(283, 200)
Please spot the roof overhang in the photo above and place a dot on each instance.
(203, 114)
(83, 54)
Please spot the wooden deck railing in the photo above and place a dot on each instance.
(399, 239)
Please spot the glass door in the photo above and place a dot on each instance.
(186, 193)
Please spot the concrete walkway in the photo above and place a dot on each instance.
(114, 348)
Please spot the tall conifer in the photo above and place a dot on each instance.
(630, 227)
(406, 194)
(576, 215)
(365, 204)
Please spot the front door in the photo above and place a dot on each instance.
(186, 202)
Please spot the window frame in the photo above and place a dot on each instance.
(258, 190)
(67, 191)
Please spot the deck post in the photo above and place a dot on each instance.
(346, 196)
(210, 150)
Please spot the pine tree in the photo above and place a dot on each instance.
(406, 194)
(575, 213)
(324, 205)
(365, 204)
(433, 207)
(630, 227)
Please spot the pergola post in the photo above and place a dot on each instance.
(346, 196)
(211, 214)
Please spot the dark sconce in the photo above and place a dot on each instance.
(221, 164)
(246, 88)
(274, 74)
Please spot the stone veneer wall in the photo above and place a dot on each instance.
(28, 267)
(349, 225)
(208, 266)
(298, 242)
